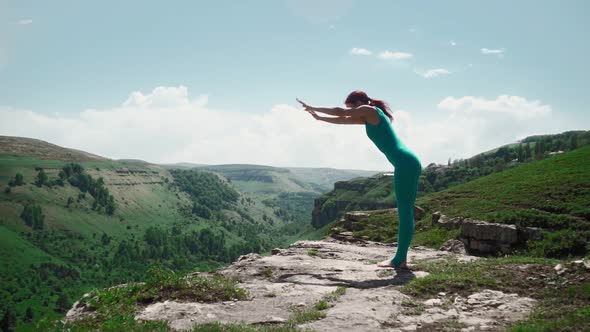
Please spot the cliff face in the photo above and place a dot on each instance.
(323, 213)
(330, 207)
(356, 294)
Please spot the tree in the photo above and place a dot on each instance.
(41, 178)
(574, 142)
(63, 303)
(70, 201)
(8, 321)
(527, 151)
(110, 207)
(19, 179)
(16, 181)
(29, 314)
(105, 239)
(7, 190)
(33, 216)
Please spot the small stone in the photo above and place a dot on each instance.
(558, 267)
(432, 302)
(531, 278)
(276, 319)
(560, 272)
(442, 294)
(579, 261)
(301, 304)
(232, 303)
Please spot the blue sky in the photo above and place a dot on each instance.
(60, 58)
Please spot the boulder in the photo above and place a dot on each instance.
(455, 246)
(482, 230)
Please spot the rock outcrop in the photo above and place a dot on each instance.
(302, 274)
(323, 213)
(330, 207)
(487, 238)
(351, 220)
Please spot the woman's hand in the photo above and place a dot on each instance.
(307, 107)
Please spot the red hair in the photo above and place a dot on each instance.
(361, 96)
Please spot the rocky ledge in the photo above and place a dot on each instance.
(307, 271)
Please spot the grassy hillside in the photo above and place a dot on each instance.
(80, 246)
(106, 222)
(553, 194)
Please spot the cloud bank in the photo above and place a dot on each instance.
(167, 126)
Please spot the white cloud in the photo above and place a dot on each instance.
(488, 51)
(360, 51)
(453, 43)
(167, 126)
(433, 72)
(513, 106)
(394, 55)
(468, 125)
(25, 22)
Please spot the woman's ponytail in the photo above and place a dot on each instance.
(383, 106)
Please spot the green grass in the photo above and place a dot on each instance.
(551, 193)
(315, 312)
(72, 236)
(560, 310)
(114, 308)
(312, 252)
(450, 275)
(266, 272)
(562, 304)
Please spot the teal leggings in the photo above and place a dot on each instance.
(405, 180)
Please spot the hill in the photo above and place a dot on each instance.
(68, 226)
(12, 145)
(552, 194)
(376, 192)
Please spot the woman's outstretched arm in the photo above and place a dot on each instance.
(339, 119)
(339, 111)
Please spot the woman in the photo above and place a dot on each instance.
(376, 117)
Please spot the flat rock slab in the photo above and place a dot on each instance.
(293, 278)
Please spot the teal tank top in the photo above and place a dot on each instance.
(387, 141)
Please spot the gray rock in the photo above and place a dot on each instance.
(372, 301)
(489, 231)
(440, 220)
(455, 246)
